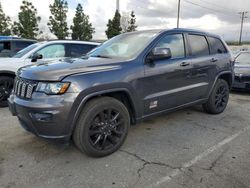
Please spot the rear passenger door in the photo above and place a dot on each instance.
(202, 66)
(219, 55)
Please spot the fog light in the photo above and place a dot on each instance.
(43, 117)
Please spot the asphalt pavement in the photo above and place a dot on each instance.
(187, 148)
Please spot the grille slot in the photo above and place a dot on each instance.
(24, 88)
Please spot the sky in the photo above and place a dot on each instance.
(217, 16)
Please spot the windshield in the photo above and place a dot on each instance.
(243, 59)
(25, 50)
(123, 46)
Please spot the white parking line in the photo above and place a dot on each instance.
(188, 164)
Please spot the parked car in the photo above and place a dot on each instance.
(9, 47)
(131, 77)
(8, 37)
(36, 53)
(242, 71)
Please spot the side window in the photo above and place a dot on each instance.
(243, 58)
(176, 44)
(22, 44)
(216, 46)
(5, 47)
(77, 50)
(199, 45)
(52, 51)
(1, 46)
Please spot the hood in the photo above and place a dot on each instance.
(242, 69)
(9, 60)
(57, 70)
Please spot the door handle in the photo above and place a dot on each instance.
(213, 60)
(184, 64)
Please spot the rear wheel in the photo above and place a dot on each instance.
(218, 99)
(102, 127)
(6, 85)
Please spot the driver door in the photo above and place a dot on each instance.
(167, 81)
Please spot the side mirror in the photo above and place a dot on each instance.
(35, 57)
(160, 53)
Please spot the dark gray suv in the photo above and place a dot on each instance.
(94, 99)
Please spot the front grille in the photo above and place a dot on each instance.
(242, 78)
(24, 88)
(245, 78)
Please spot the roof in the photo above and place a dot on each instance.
(25, 40)
(73, 41)
(183, 30)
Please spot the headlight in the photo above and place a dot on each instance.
(52, 88)
(238, 74)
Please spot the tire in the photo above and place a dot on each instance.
(218, 98)
(102, 127)
(6, 86)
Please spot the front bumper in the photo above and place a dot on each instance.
(241, 82)
(43, 115)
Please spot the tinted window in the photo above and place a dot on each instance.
(5, 49)
(198, 45)
(77, 50)
(243, 59)
(175, 43)
(1, 46)
(22, 44)
(216, 46)
(52, 51)
(26, 50)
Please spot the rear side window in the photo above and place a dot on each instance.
(216, 46)
(22, 44)
(78, 50)
(175, 43)
(199, 45)
(5, 47)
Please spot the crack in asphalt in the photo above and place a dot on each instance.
(146, 162)
(215, 161)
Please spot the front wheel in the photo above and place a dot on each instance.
(6, 85)
(218, 98)
(102, 127)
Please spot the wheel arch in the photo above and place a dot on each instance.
(121, 94)
(8, 73)
(227, 76)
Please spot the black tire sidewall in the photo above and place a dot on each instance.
(9, 79)
(211, 103)
(86, 118)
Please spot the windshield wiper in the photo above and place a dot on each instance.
(101, 56)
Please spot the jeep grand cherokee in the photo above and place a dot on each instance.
(133, 76)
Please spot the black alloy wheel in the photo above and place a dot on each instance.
(107, 129)
(221, 97)
(102, 127)
(218, 98)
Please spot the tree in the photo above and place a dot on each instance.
(27, 25)
(114, 26)
(81, 29)
(58, 20)
(125, 18)
(4, 23)
(132, 26)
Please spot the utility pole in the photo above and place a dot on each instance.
(243, 16)
(118, 5)
(178, 14)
